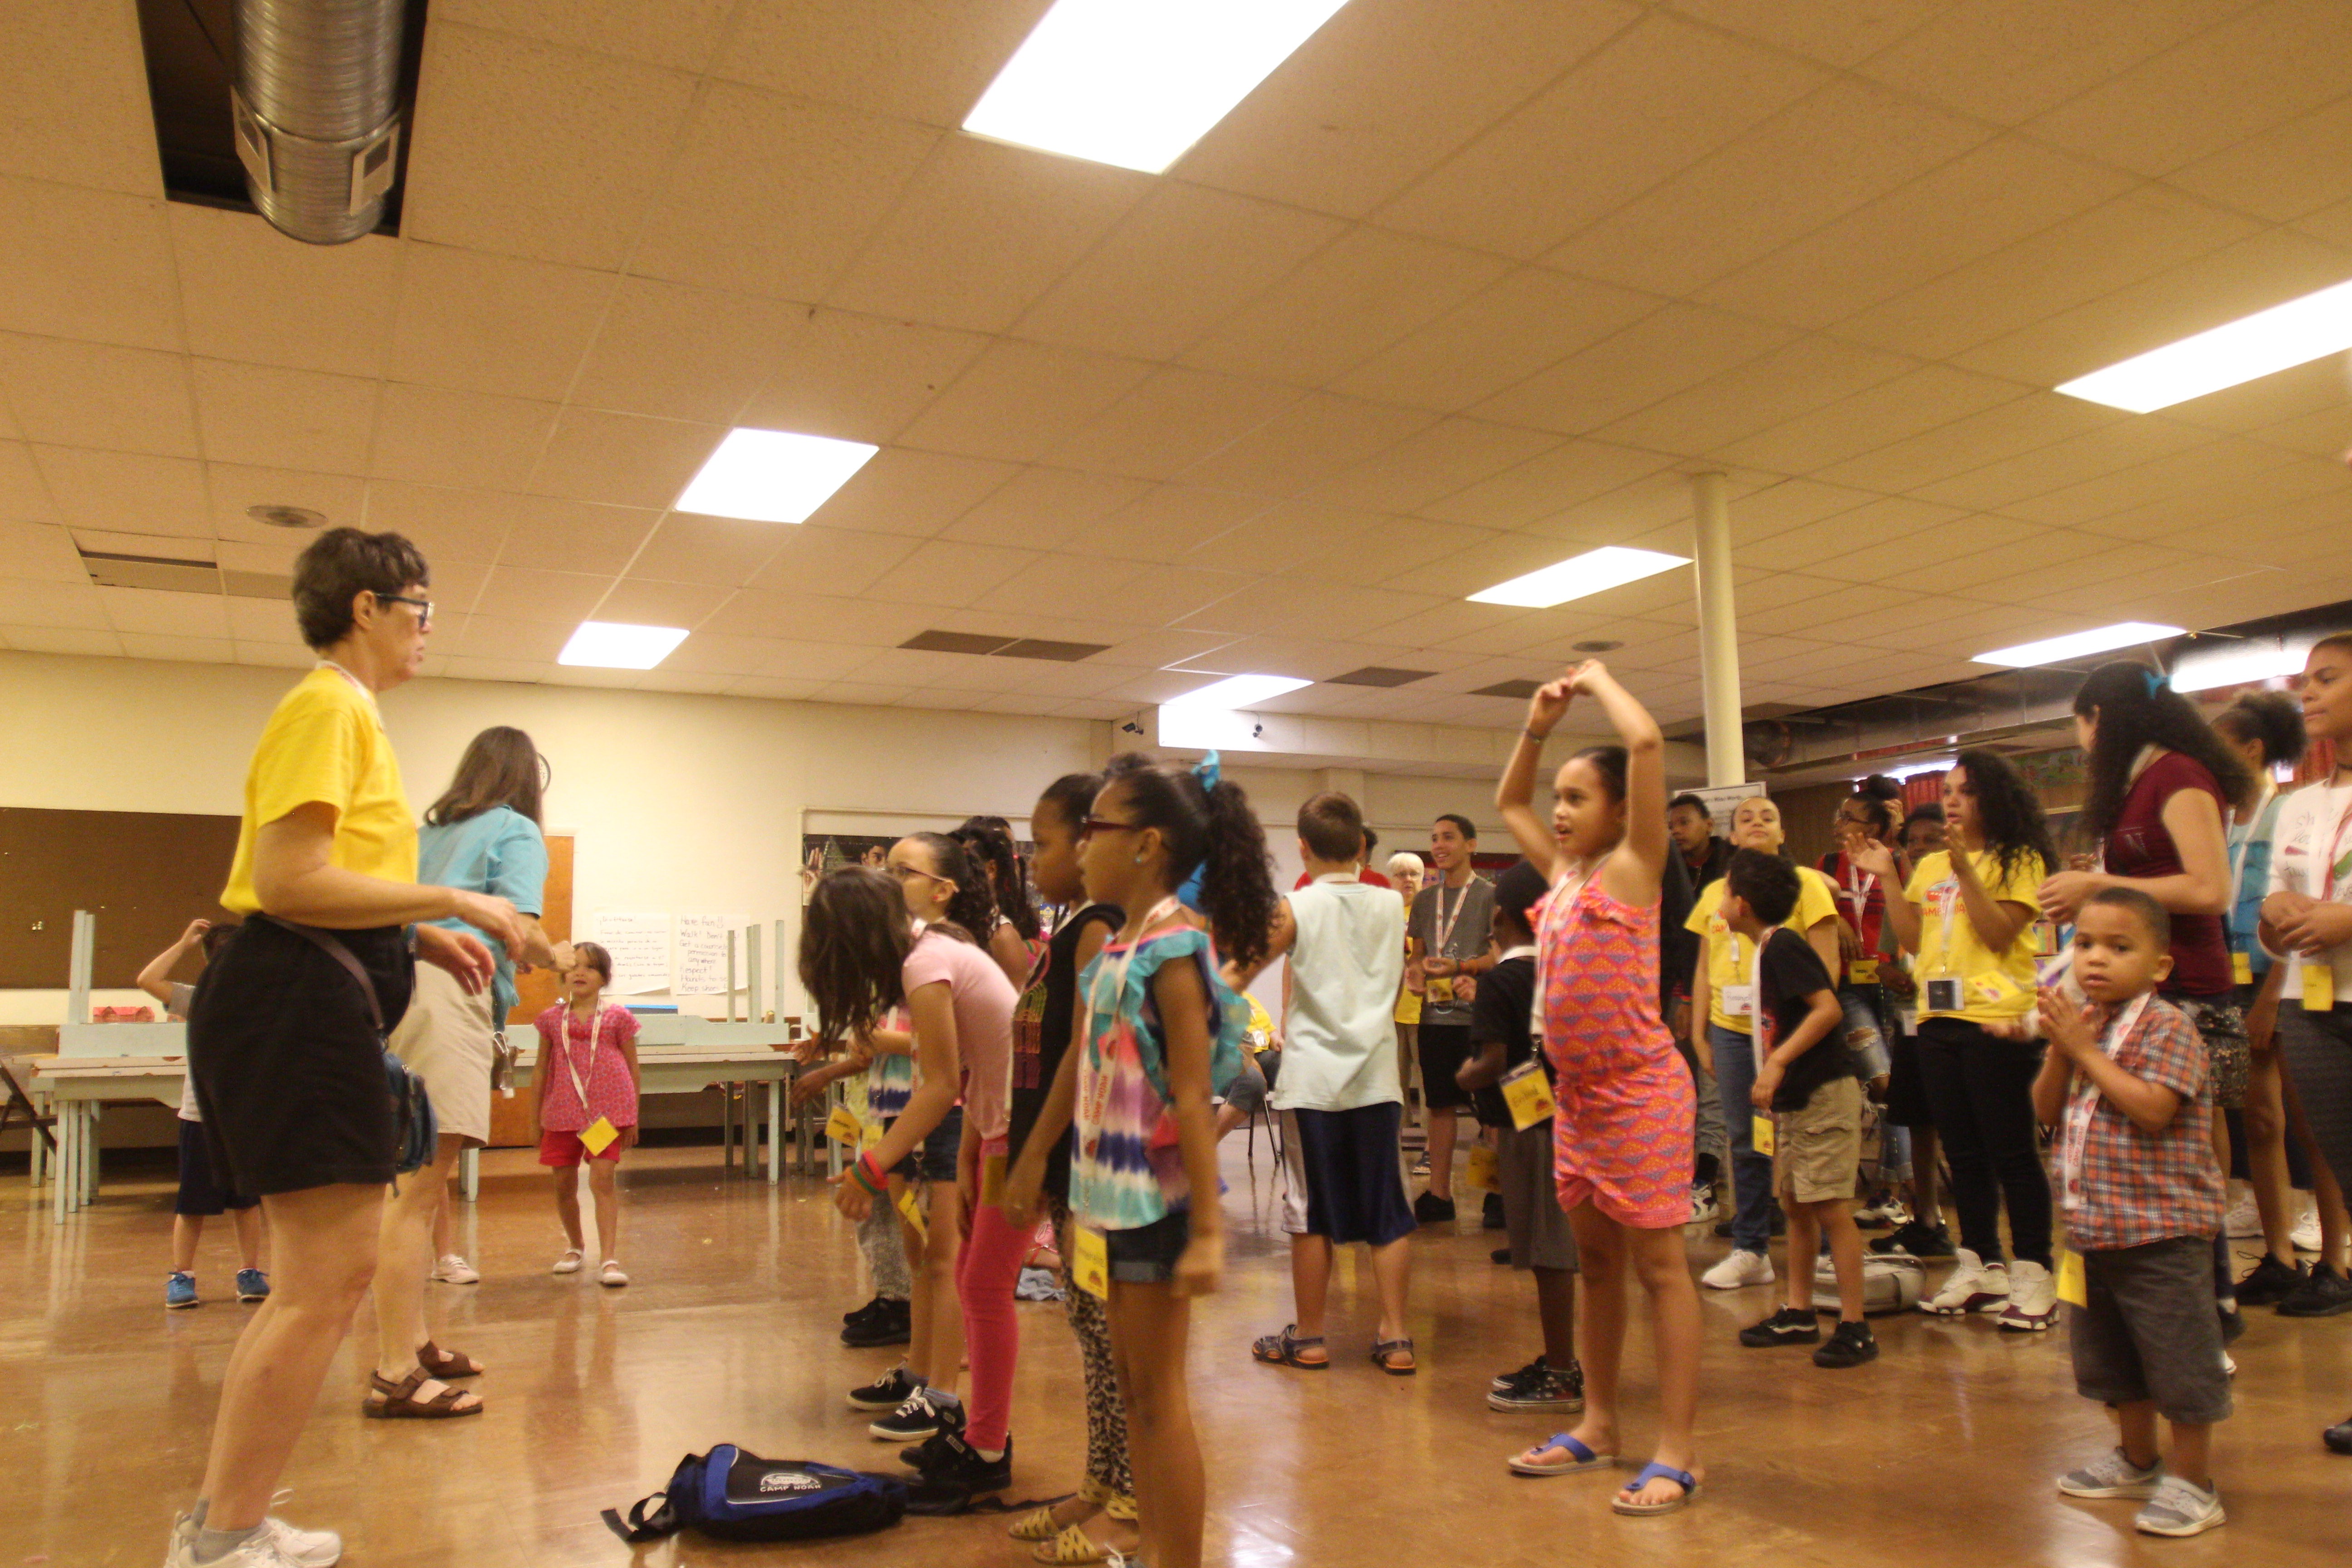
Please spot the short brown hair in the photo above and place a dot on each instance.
(1332, 826)
(594, 955)
(343, 564)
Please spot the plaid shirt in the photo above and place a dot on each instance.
(2121, 1186)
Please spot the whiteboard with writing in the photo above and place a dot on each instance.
(639, 943)
(702, 955)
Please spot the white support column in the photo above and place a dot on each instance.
(1719, 632)
(751, 975)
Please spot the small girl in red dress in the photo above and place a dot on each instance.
(587, 1084)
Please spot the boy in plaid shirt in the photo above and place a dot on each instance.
(2125, 1084)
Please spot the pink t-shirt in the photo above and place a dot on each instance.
(984, 1002)
(611, 1092)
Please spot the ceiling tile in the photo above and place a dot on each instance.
(812, 660)
(706, 652)
(981, 232)
(640, 601)
(1538, 488)
(774, 195)
(528, 595)
(166, 614)
(1809, 373)
(1531, 318)
(450, 524)
(62, 639)
(94, 395)
(1921, 399)
(73, 99)
(1835, 32)
(572, 536)
(1050, 583)
(914, 60)
(944, 571)
(58, 604)
(264, 417)
(87, 264)
(1679, 347)
(1157, 651)
(1400, 553)
(1042, 509)
(774, 688)
(2064, 463)
(1313, 439)
(2008, 59)
(1875, 541)
(858, 378)
(1020, 400)
(491, 323)
(904, 492)
(251, 294)
(527, 149)
(682, 354)
(1172, 419)
(802, 618)
(621, 459)
(488, 637)
(39, 552)
(725, 551)
(129, 493)
(813, 559)
(181, 649)
(431, 436)
(681, 34)
(2005, 431)
(1437, 461)
(342, 498)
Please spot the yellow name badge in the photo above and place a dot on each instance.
(1529, 1094)
(912, 1211)
(871, 1135)
(2241, 968)
(1994, 988)
(2318, 987)
(1760, 1134)
(991, 1179)
(1863, 972)
(1482, 1172)
(598, 1135)
(1089, 1261)
(1439, 989)
(843, 1126)
(2073, 1289)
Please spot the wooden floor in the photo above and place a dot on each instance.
(1940, 1453)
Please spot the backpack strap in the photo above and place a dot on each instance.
(334, 947)
(641, 1528)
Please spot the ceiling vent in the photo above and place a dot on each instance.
(171, 574)
(1379, 675)
(1054, 652)
(1002, 647)
(1520, 689)
(953, 642)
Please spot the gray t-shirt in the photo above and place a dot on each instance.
(1466, 920)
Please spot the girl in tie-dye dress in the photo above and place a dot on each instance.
(1623, 1100)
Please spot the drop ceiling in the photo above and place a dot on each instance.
(1465, 288)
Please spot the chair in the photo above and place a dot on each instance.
(17, 1106)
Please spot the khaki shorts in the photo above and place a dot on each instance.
(1820, 1147)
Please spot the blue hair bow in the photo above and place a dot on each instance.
(2154, 680)
(1208, 770)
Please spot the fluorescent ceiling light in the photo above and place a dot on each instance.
(2277, 338)
(1133, 83)
(1594, 572)
(772, 475)
(2236, 664)
(1931, 765)
(1237, 691)
(2074, 645)
(610, 645)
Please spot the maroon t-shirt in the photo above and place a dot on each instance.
(2138, 845)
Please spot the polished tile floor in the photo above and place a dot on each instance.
(1940, 1453)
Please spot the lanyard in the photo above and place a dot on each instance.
(1445, 922)
(1097, 1090)
(1858, 885)
(1947, 895)
(2265, 812)
(2324, 873)
(2085, 1099)
(596, 1028)
(357, 684)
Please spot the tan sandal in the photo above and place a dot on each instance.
(389, 1401)
(447, 1364)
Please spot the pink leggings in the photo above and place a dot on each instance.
(986, 1272)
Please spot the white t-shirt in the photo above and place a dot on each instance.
(182, 997)
(2311, 852)
(1345, 963)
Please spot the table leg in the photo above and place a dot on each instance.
(38, 1151)
(90, 1156)
(775, 1131)
(727, 1126)
(469, 1174)
(65, 1163)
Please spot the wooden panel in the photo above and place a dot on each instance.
(538, 989)
(145, 874)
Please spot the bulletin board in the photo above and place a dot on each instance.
(145, 875)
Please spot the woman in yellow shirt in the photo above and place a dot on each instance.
(1969, 914)
(1724, 1036)
(282, 1043)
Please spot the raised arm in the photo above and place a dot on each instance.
(156, 978)
(1514, 796)
(1631, 874)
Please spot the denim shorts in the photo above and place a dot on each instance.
(1148, 1254)
(1865, 1037)
(935, 1161)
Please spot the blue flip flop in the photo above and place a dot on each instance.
(1580, 1458)
(1622, 1502)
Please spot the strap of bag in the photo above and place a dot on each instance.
(641, 1528)
(332, 946)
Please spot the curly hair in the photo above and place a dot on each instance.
(988, 840)
(855, 936)
(2007, 812)
(2135, 710)
(971, 914)
(343, 564)
(2273, 718)
(1215, 830)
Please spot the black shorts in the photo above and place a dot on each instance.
(1148, 1254)
(289, 1072)
(1907, 1090)
(2149, 1331)
(1443, 1049)
(934, 1159)
(1341, 1177)
(201, 1196)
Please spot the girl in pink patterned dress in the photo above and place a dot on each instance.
(1621, 1128)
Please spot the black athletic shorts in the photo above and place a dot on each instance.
(1443, 1049)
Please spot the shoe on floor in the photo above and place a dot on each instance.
(1915, 1239)
(1431, 1209)
(2243, 1218)
(1553, 1392)
(2180, 1508)
(1534, 1372)
(1490, 1213)
(917, 1417)
(1742, 1268)
(1882, 1211)
(1501, 1254)
(179, 1291)
(252, 1285)
(276, 1544)
(949, 1462)
(1702, 1202)
(2306, 1227)
(2112, 1474)
(856, 1313)
(611, 1273)
(2323, 1294)
(1973, 1286)
(1785, 1326)
(1849, 1344)
(452, 1270)
(2269, 1282)
(886, 1391)
(893, 1325)
(568, 1263)
(2338, 1437)
(2032, 1305)
(1421, 1165)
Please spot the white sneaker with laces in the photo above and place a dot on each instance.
(1743, 1267)
(306, 1548)
(2243, 1218)
(263, 1549)
(1972, 1286)
(2032, 1305)
(452, 1269)
(2306, 1227)
(2180, 1508)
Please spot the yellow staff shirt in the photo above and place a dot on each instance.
(1731, 957)
(1994, 986)
(326, 743)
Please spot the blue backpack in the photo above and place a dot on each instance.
(731, 1495)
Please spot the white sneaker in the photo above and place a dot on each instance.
(264, 1548)
(2243, 1218)
(1825, 1269)
(2180, 1508)
(2032, 1305)
(1742, 1268)
(2306, 1226)
(568, 1263)
(1702, 1203)
(1972, 1286)
(610, 1274)
(452, 1269)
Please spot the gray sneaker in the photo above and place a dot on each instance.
(2180, 1508)
(2113, 1474)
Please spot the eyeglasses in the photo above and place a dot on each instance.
(424, 607)
(903, 872)
(1090, 826)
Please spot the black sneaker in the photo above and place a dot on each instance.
(1490, 1213)
(955, 1465)
(1501, 1254)
(1534, 1371)
(916, 1418)
(2269, 1282)
(886, 1391)
(1850, 1345)
(1788, 1326)
(856, 1313)
(1559, 1393)
(2338, 1437)
(893, 1325)
(1431, 1209)
(2323, 1295)
(1914, 1238)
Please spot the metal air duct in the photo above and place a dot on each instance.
(317, 111)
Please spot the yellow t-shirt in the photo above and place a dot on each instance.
(1731, 957)
(1994, 986)
(326, 743)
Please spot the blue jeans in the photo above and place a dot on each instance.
(1751, 1173)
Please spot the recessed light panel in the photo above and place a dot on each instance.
(2211, 663)
(1580, 577)
(2268, 340)
(612, 645)
(2078, 645)
(1133, 83)
(772, 475)
(1238, 692)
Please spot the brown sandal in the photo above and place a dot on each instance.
(1385, 1353)
(447, 1364)
(398, 1401)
